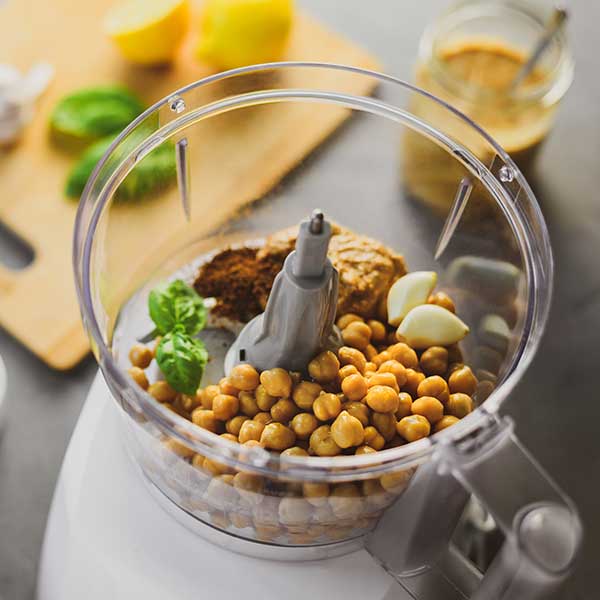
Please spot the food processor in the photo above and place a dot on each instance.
(132, 516)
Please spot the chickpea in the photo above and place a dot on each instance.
(459, 405)
(413, 427)
(263, 417)
(294, 451)
(462, 381)
(327, 407)
(283, 410)
(396, 368)
(198, 461)
(378, 331)
(239, 520)
(305, 394)
(178, 448)
(374, 493)
(365, 450)
(434, 386)
(370, 367)
(346, 372)
(248, 404)
(249, 485)
(442, 299)
(230, 437)
(395, 442)
(225, 406)
(413, 379)
(234, 425)
(354, 387)
(322, 442)
(324, 367)
(345, 501)
(205, 419)
(357, 335)
(250, 430)
(382, 357)
(352, 356)
(404, 405)
(162, 391)
(387, 379)
(382, 398)
(373, 438)
(216, 468)
(277, 382)
(445, 422)
(370, 353)
(227, 388)
(455, 354)
(396, 482)
(244, 377)
(315, 493)
(358, 410)
(253, 444)
(140, 356)
(264, 400)
(186, 403)
(303, 425)
(404, 354)
(434, 361)
(428, 406)
(208, 395)
(385, 423)
(294, 512)
(348, 318)
(347, 431)
(484, 389)
(138, 375)
(277, 436)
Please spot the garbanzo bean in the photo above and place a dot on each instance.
(462, 381)
(434, 386)
(455, 354)
(445, 422)
(429, 407)
(370, 353)
(413, 428)
(208, 395)
(244, 377)
(434, 361)
(404, 405)
(413, 379)
(442, 299)
(357, 335)
(303, 425)
(346, 371)
(404, 354)
(198, 461)
(264, 400)
(178, 448)
(387, 379)
(382, 398)
(277, 436)
(327, 407)
(315, 493)
(373, 438)
(225, 406)
(162, 391)
(352, 356)
(385, 423)
(250, 430)
(234, 425)
(348, 318)
(459, 405)
(216, 468)
(359, 410)
(322, 442)
(186, 403)
(230, 437)
(277, 382)
(294, 451)
(324, 367)
(305, 394)
(396, 482)
(365, 450)
(345, 501)
(283, 410)
(354, 387)
(141, 356)
(205, 419)
(138, 375)
(395, 442)
(248, 404)
(249, 486)
(347, 431)
(227, 388)
(263, 417)
(378, 331)
(382, 357)
(396, 368)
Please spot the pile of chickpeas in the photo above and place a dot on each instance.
(374, 393)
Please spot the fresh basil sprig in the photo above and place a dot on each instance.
(179, 313)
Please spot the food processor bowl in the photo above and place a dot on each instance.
(231, 133)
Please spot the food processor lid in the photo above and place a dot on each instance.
(502, 179)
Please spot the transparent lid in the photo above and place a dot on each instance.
(257, 149)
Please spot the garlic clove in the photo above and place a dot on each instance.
(408, 292)
(431, 325)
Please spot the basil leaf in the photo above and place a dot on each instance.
(177, 304)
(182, 359)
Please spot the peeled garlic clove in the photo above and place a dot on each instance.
(431, 325)
(409, 291)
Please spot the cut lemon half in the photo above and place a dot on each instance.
(148, 32)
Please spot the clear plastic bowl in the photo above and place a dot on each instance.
(496, 264)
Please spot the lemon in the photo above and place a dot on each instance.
(242, 32)
(148, 32)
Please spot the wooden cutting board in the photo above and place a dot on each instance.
(38, 305)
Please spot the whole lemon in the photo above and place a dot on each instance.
(235, 33)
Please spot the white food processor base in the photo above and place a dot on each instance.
(106, 537)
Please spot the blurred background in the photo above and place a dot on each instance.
(556, 407)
